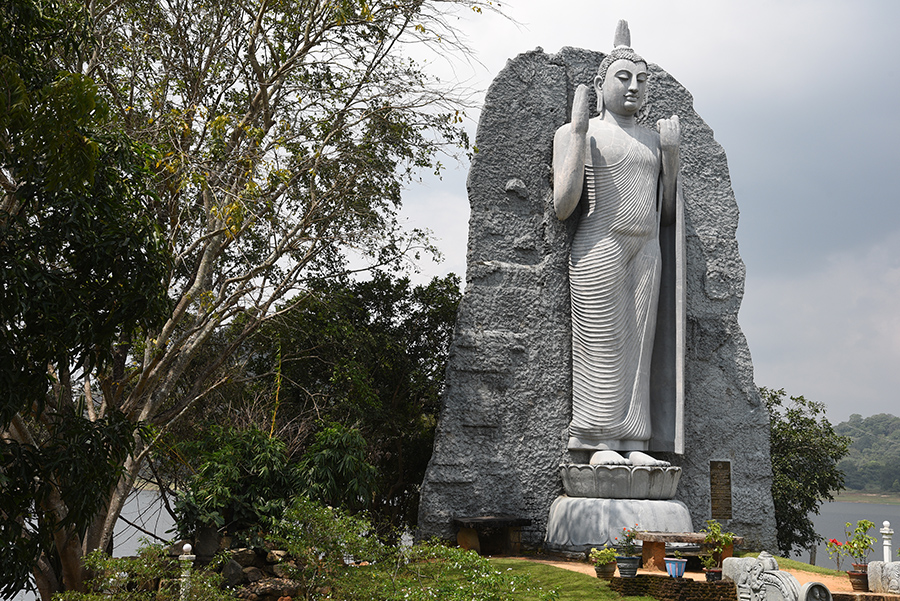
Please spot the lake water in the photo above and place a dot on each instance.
(832, 518)
(145, 509)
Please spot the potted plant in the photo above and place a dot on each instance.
(629, 560)
(858, 545)
(675, 565)
(714, 544)
(604, 561)
(711, 567)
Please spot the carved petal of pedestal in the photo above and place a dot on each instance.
(619, 481)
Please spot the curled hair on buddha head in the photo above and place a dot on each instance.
(621, 49)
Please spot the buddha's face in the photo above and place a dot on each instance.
(624, 89)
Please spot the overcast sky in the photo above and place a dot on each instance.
(802, 96)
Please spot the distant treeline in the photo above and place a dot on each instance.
(873, 461)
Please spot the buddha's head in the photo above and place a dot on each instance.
(621, 82)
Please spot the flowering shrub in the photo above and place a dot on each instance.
(627, 544)
(836, 551)
(857, 545)
(603, 556)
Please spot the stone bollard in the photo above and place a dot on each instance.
(887, 534)
(187, 560)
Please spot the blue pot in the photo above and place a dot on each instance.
(675, 566)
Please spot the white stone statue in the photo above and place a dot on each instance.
(626, 177)
(759, 579)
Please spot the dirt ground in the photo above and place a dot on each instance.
(835, 584)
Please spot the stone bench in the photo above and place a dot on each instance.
(654, 546)
(491, 534)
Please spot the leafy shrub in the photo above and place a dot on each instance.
(335, 470)
(243, 480)
(151, 576)
(324, 540)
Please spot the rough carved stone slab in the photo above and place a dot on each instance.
(502, 431)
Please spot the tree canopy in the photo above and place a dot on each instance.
(873, 461)
(248, 146)
(805, 452)
(350, 380)
(83, 268)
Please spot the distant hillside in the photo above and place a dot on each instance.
(873, 462)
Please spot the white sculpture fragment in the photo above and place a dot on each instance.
(759, 579)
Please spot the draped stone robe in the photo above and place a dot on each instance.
(614, 274)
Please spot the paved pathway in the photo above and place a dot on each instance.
(836, 584)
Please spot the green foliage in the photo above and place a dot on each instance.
(873, 461)
(82, 261)
(82, 265)
(77, 465)
(321, 541)
(859, 543)
(714, 543)
(805, 452)
(716, 538)
(367, 354)
(335, 471)
(151, 576)
(241, 480)
(603, 556)
(322, 538)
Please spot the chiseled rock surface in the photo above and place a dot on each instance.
(502, 431)
(884, 577)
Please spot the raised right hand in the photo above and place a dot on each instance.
(581, 110)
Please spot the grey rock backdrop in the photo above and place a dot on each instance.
(502, 430)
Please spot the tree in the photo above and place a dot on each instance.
(873, 461)
(370, 354)
(82, 265)
(805, 453)
(349, 377)
(283, 134)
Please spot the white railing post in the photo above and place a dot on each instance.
(187, 560)
(887, 534)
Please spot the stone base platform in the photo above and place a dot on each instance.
(580, 523)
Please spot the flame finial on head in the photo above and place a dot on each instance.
(623, 35)
(621, 49)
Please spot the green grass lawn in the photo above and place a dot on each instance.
(570, 585)
(467, 577)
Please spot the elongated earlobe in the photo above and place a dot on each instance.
(598, 88)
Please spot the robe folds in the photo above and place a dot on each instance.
(627, 295)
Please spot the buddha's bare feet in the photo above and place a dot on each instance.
(608, 457)
(639, 458)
